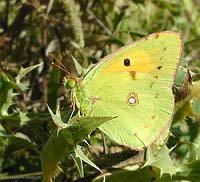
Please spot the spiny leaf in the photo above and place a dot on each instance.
(22, 73)
(57, 119)
(79, 68)
(161, 160)
(83, 157)
(83, 126)
(62, 143)
(79, 164)
(6, 94)
(6, 102)
(55, 149)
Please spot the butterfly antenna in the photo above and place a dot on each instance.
(60, 65)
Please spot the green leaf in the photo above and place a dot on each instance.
(180, 76)
(22, 141)
(2, 132)
(83, 126)
(79, 68)
(6, 94)
(195, 91)
(57, 119)
(189, 172)
(5, 83)
(196, 107)
(161, 160)
(62, 143)
(115, 41)
(182, 109)
(193, 152)
(22, 73)
(10, 122)
(6, 102)
(79, 164)
(83, 157)
(55, 149)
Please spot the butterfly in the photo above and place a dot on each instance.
(134, 86)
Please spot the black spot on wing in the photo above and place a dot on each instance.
(159, 67)
(127, 62)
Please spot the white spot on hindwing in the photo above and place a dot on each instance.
(132, 99)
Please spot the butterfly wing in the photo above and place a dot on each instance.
(134, 84)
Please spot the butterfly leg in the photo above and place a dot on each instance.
(72, 100)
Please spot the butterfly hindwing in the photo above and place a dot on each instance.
(134, 85)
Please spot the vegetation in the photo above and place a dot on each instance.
(37, 141)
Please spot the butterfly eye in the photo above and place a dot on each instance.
(127, 62)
